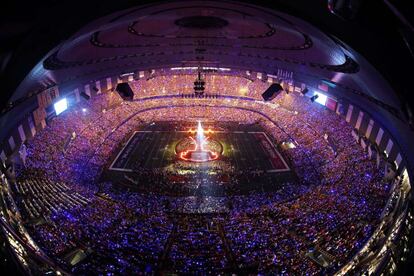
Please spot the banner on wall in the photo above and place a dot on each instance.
(323, 87)
(39, 115)
(46, 97)
(331, 104)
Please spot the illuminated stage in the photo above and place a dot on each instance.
(200, 148)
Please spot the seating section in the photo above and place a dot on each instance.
(42, 197)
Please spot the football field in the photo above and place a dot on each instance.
(244, 150)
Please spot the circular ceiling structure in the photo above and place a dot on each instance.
(201, 22)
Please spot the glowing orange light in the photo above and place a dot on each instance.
(199, 153)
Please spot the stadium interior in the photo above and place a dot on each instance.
(207, 138)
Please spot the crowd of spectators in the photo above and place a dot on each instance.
(333, 207)
(215, 84)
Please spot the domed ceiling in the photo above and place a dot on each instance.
(207, 32)
(210, 33)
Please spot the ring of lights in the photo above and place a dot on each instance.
(186, 150)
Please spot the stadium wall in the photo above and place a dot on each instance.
(376, 134)
(366, 126)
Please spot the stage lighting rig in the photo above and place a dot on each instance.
(199, 84)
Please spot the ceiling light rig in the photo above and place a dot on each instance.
(199, 85)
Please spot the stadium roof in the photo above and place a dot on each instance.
(157, 35)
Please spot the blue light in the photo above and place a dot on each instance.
(61, 106)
